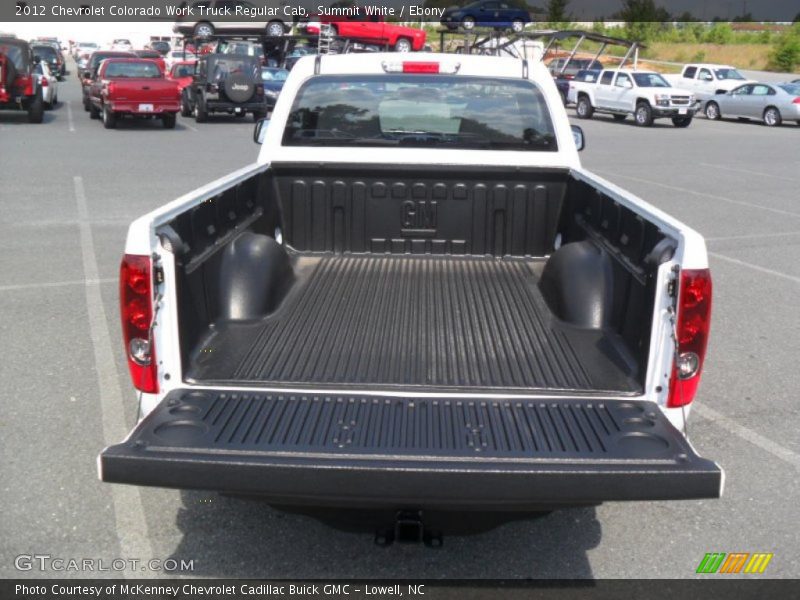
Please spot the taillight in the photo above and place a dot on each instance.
(45, 83)
(796, 100)
(111, 88)
(136, 309)
(694, 321)
(420, 67)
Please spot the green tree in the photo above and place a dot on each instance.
(643, 19)
(557, 11)
(785, 56)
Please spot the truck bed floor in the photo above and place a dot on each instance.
(435, 322)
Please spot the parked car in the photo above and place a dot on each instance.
(153, 55)
(273, 79)
(122, 45)
(204, 28)
(563, 68)
(587, 76)
(372, 30)
(133, 87)
(771, 103)
(644, 94)
(176, 56)
(296, 54)
(707, 80)
(52, 57)
(82, 48)
(48, 83)
(416, 298)
(160, 46)
(183, 73)
(246, 48)
(89, 74)
(20, 88)
(486, 13)
(226, 83)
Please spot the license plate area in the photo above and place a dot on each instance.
(145, 108)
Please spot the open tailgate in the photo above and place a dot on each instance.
(421, 452)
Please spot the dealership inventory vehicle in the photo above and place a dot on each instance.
(568, 68)
(771, 103)
(20, 87)
(645, 95)
(55, 61)
(486, 13)
(153, 55)
(49, 84)
(82, 48)
(273, 79)
(183, 73)
(122, 45)
(372, 29)
(203, 26)
(133, 87)
(707, 80)
(88, 75)
(226, 83)
(415, 298)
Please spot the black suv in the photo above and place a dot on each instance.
(226, 83)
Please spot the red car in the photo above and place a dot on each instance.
(182, 72)
(20, 89)
(373, 30)
(153, 55)
(133, 87)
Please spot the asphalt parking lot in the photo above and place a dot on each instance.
(69, 188)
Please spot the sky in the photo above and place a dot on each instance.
(102, 33)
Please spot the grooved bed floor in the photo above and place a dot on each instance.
(441, 322)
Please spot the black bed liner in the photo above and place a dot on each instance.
(438, 322)
(411, 451)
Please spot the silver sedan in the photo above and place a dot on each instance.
(49, 83)
(772, 103)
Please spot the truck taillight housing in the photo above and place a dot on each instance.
(694, 322)
(136, 310)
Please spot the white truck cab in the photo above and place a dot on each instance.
(646, 95)
(706, 80)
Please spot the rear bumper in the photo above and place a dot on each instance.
(418, 452)
(132, 108)
(232, 107)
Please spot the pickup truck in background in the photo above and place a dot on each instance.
(622, 92)
(133, 87)
(88, 75)
(415, 298)
(371, 30)
(707, 80)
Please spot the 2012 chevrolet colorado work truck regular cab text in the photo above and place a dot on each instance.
(415, 298)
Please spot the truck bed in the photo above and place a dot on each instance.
(477, 323)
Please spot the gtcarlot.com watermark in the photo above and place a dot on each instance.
(47, 562)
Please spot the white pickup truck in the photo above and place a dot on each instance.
(622, 92)
(707, 80)
(415, 298)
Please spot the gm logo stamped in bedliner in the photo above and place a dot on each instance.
(418, 217)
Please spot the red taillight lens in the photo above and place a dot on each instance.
(136, 310)
(45, 83)
(420, 67)
(796, 100)
(694, 322)
(111, 88)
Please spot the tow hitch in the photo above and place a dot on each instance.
(409, 528)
